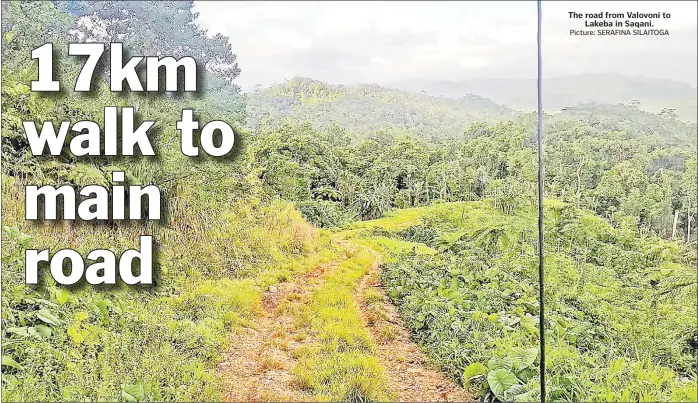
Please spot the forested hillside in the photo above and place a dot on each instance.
(649, 94)
(620, 162)
(631, 119)
(362, 244)
(366, 109)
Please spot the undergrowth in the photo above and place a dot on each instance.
(464, 278)
(153, 343)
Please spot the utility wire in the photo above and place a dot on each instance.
(541, 323)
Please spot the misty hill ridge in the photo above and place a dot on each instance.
(366, 108)
(559, 92)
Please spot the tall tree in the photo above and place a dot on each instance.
(162, 28)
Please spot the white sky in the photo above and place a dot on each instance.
(384, 42)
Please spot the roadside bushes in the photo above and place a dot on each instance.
(156, 343)
(613, 332)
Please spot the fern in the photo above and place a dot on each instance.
(679, 287)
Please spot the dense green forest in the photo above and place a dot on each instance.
(632, 167)
(443, 188)
(364, 110)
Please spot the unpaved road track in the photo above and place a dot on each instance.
(410, 376)
(259, 366)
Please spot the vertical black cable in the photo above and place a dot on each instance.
(541, 324)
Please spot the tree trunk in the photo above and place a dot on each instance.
(676, 221)
(688, 227)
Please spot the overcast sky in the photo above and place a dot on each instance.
(384, 42)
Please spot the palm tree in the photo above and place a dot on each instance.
(375, 202)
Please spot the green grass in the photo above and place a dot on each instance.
(394, 219)
(340, 365)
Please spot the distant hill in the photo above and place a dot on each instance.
(630, 119)
(559, 92)
(367, 108)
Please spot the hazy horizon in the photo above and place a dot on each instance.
(388, 42)
(393, 83)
